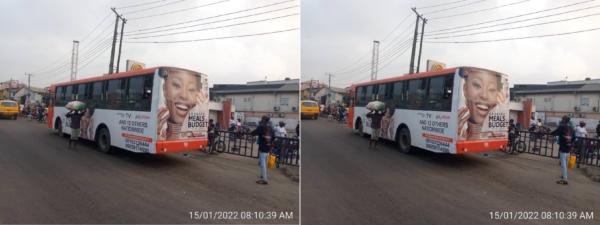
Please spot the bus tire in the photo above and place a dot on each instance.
(361, 133)
(59, 128)
(104, 141)
(404, 141)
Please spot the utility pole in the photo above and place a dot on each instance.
(375, 60)
(112, 52)
(74, 60)
(29, 86)
(121, 42)
(309, 92)
(421, 45)
(414, 47)
(329, 89)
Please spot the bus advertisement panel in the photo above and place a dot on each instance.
(483, 105)
(455, 110)
(182, 105)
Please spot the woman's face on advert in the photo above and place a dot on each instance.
(180, 93)
(481, 93)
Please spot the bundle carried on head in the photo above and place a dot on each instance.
(75, 105)
(376, 105)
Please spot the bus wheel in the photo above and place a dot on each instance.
(404, 141)
(360, 129)
(104, 141)
(59, 128)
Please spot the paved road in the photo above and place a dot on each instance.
(41, 181)
(343, 182)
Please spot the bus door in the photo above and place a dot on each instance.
(351, 110)
(51, 110)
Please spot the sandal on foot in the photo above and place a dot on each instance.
(262, 182)
(562, 182)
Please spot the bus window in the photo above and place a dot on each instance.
(135, 92)
(69, 93)
(360, 94)
(97, 97)
(80, 96)
(435, 93)
(382, 93)
(398, 94)
(59, 95)
(369, 93)
(114, 93)
(416, 91)
(148, 81)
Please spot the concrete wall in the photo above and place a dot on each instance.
(335, 97)
(555, 106)
(564, 102)
(264, 102)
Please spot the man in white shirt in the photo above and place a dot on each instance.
(280, 130)
(532, 124)
(232, 124)
(580, 131)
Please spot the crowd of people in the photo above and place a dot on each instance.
(339, 110)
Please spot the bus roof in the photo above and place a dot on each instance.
(413, 76)
(116, 75)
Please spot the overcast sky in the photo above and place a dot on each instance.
(36, 33)
(336, 33)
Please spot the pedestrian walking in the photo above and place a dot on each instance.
(564, 137)
(375, 126)
(598, 129)
(265, 140)
(75, 126)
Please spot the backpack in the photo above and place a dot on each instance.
(268, 137)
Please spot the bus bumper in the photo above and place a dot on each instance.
(180, 145)
(9, 114)
(480, 145)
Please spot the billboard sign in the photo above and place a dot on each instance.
(134, 65)
(435, 65)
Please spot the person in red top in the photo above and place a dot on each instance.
(75, 126)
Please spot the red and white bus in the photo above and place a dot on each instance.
(456, 110)
(155, 110)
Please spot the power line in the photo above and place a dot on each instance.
(97, 54)
(478, 10)
(195, 25)
(64, 65)
(519, 38)
(67, 53)
(396, 27)
(409, 26)
(96, 26)
(381, 41)
(140, 4)
(442, 10)
(213, 16)
(105, 29)
(512, 28)
(384, 58)
(212, 28)
(516, 21)
(365, 65)
(135, 18)
(83, 65)
(475, 24)
(209, 39)
(440, 4)
(141, 10)
(83, 57)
